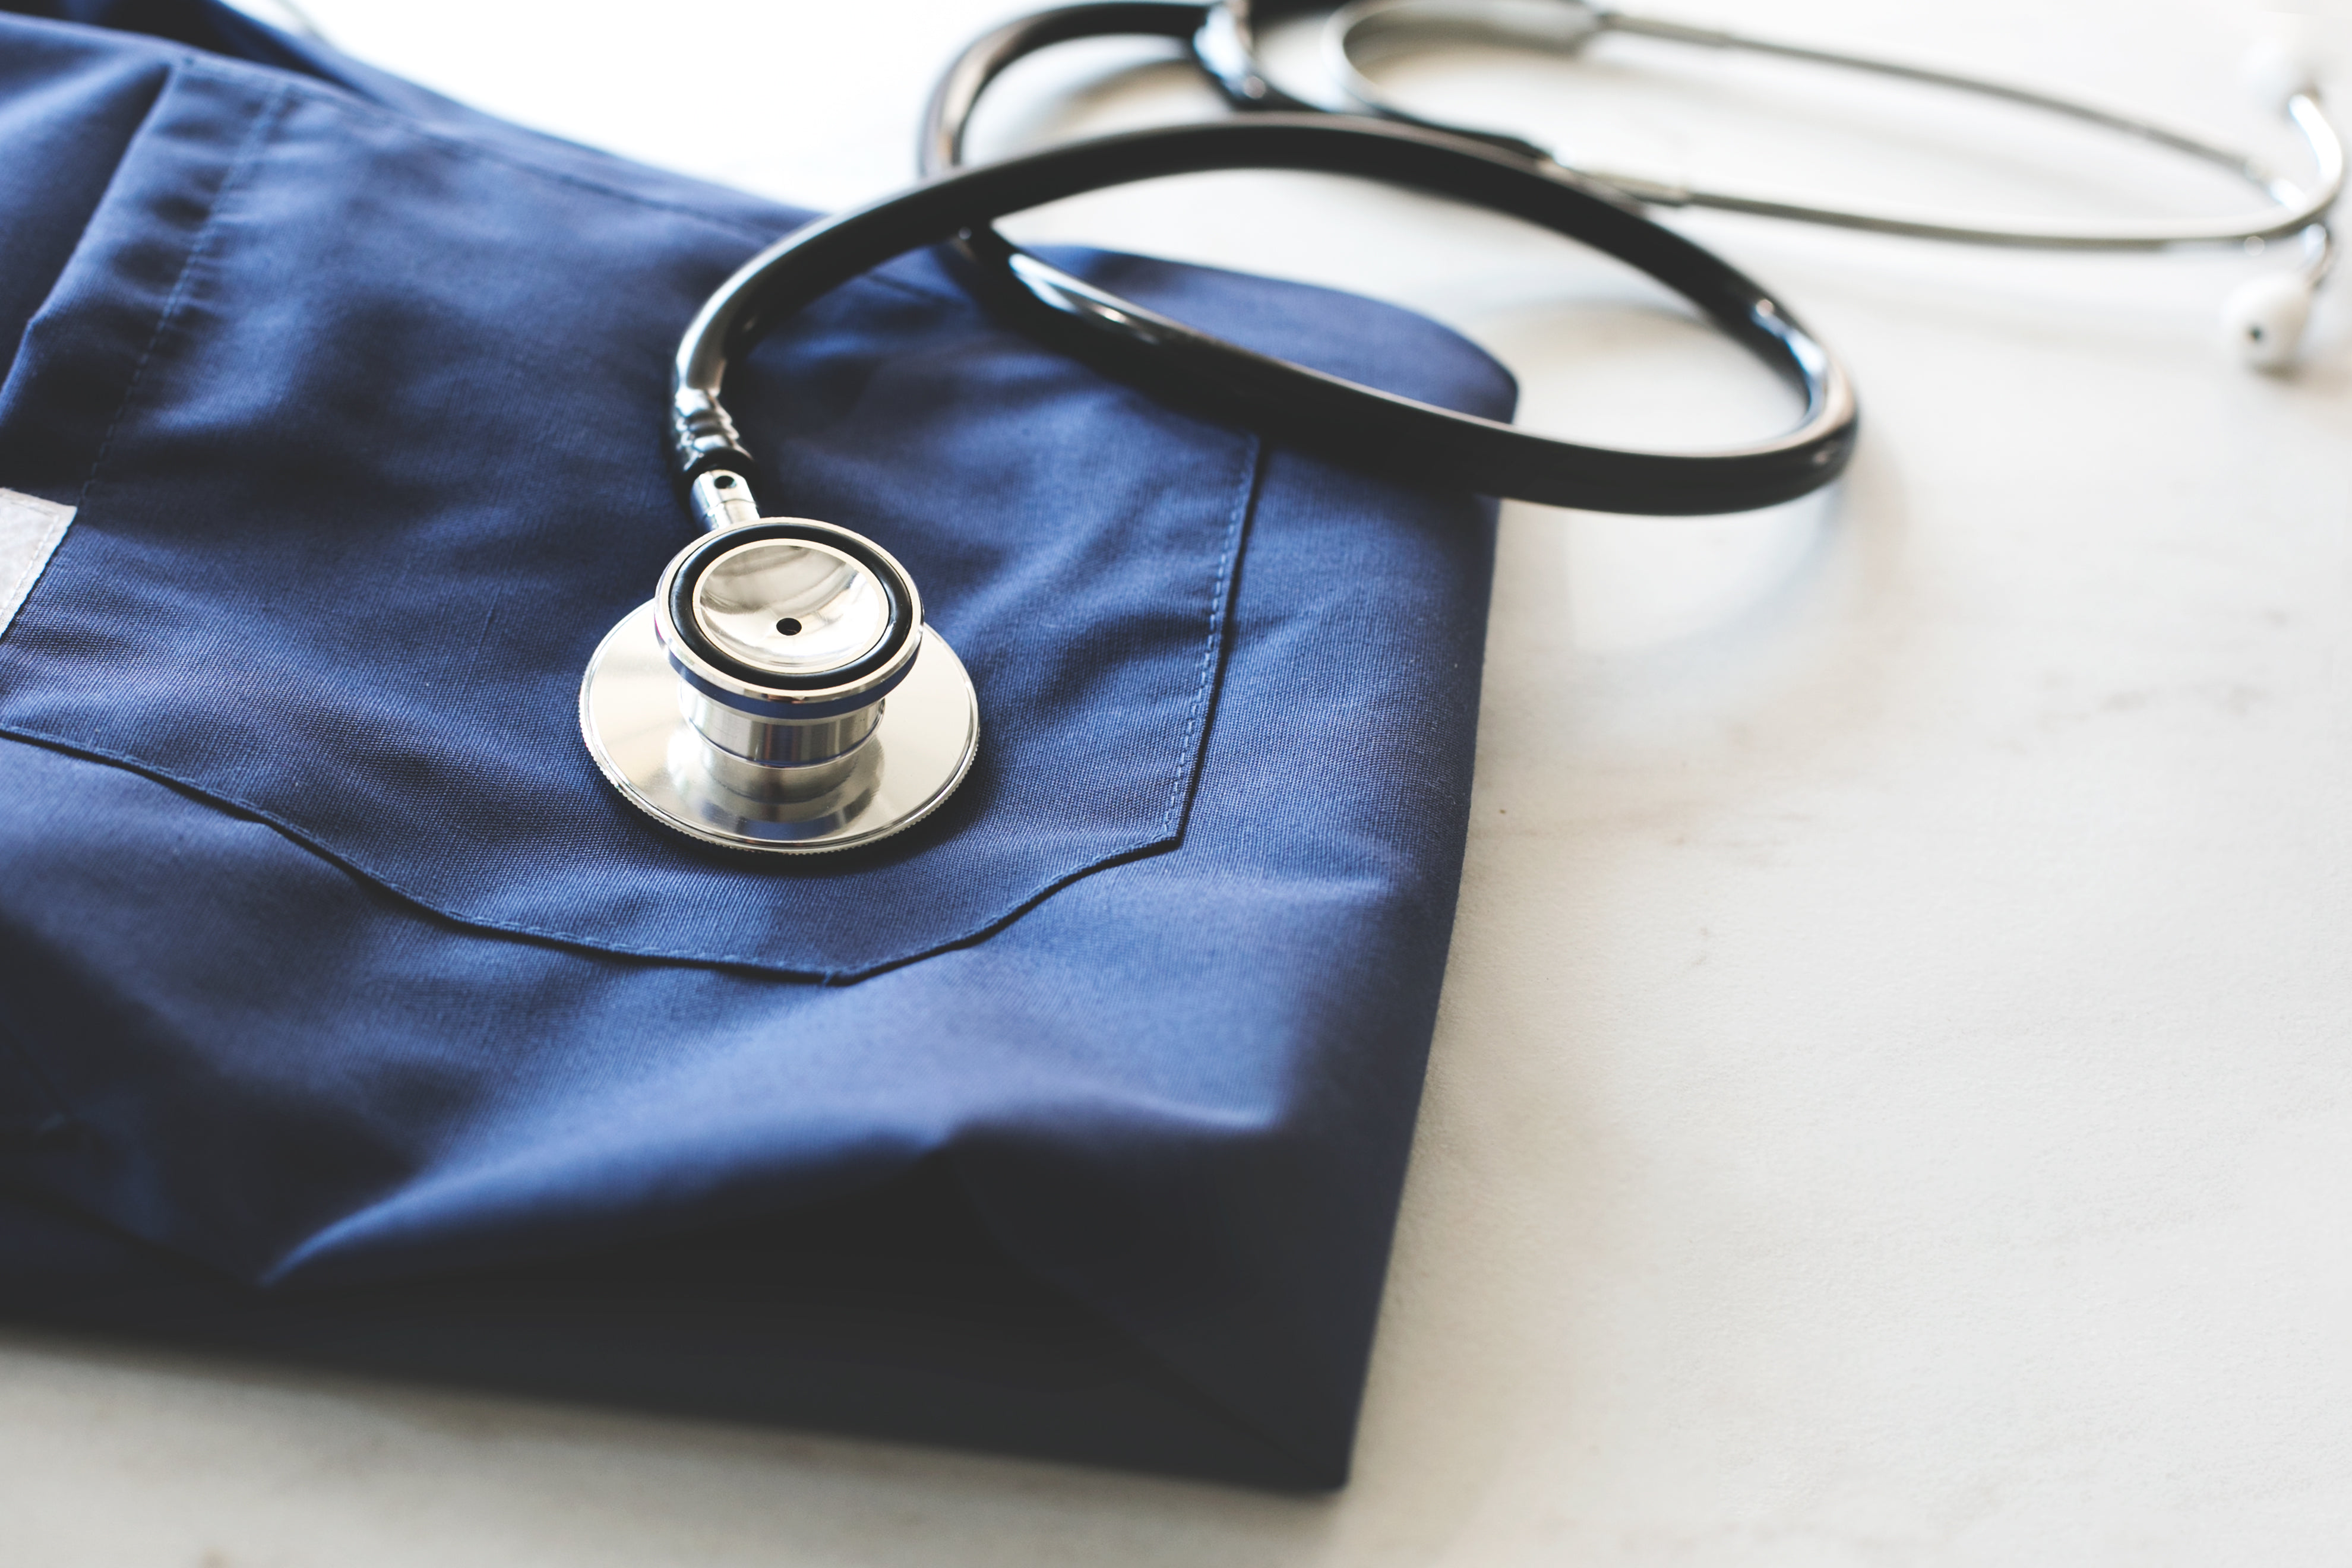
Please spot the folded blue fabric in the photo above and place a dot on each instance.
(345, 1012)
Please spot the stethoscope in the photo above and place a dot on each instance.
(781, 691)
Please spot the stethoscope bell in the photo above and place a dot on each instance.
(781, 692)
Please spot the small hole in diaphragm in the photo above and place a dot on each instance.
(789, 626)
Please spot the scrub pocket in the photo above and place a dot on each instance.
(363, 422)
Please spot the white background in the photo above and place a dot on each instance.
(1892, 1101)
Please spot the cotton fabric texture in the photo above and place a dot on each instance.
(346, 1013)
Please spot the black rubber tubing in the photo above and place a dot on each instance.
(1354, 423)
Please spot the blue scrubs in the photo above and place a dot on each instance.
(344, 1011)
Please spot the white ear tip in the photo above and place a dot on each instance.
(2277, 67)
(2263, 320)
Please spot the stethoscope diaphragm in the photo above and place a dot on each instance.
(780, 691)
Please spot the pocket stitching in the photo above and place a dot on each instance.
(1229, 557)
(247, 154)
(1164, 834)
(1168, 835)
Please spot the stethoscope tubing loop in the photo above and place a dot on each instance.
(1484, 454)
(1223, 37)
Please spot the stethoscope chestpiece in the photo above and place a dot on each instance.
(781, 692)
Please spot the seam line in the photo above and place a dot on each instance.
(254, 136)
(1180, 796)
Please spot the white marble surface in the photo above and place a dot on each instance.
(1893, 1102)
